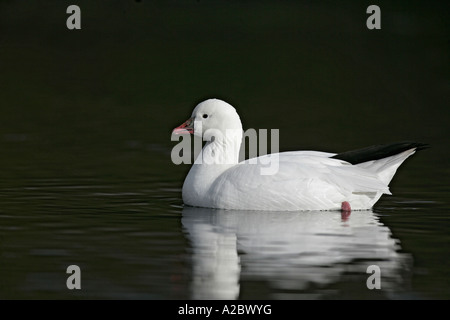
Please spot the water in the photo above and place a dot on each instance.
(143, 244)
(86, 177)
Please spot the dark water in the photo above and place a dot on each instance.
(87, 180)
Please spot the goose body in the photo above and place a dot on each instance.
(302, 180)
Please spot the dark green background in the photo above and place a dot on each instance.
(94, 108)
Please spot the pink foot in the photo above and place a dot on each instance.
(345, 210)
(345, 206)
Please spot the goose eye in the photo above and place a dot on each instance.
(205, 116)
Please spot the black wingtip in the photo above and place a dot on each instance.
(379, 151)
(421, 146)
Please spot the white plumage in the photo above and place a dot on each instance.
(303, 180)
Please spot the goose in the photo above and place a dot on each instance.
(302, 181)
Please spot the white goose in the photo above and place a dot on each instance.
(304, 180)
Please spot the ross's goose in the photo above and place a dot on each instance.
(303, 180)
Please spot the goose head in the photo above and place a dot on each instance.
(213, 120)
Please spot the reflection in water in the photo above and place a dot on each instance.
(290, 250)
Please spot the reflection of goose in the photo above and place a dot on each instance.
(287, 181)
(289, 249)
